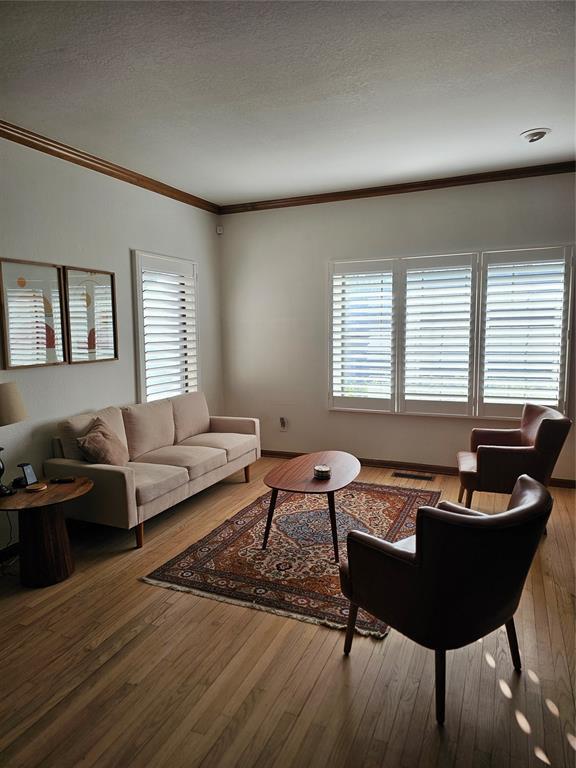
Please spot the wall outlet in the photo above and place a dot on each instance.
(283, 424)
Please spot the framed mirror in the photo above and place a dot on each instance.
(91, 312)
(32, 314)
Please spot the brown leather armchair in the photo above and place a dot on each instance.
(497, 457)
(458, 579)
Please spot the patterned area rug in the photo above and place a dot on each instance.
(296, 575)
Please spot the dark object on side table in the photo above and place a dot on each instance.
(4, 490)
(28, 477)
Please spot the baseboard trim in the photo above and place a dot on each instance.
(437, 469)
(9, 552)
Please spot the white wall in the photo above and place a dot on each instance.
(275, 302)
(57, 212)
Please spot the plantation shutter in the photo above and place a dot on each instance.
(525, 317)
(438, 326)
(169, 333)
(362, 335)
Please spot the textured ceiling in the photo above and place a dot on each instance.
(252, 100)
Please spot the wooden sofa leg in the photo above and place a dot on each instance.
(140, 535)
(469, 494)
(247, 474)
(460, 494)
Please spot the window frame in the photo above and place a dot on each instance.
(479, 260)
(142, 261)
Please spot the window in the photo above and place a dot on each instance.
(525, 319)
(438, 334)
(464, 334)
(362, 336)
(166, 290)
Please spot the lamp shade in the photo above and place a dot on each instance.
(11, 404)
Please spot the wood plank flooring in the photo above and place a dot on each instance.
(104, 670)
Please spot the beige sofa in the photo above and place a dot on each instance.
(175, 447)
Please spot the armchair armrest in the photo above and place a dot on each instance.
(450, 506)
(372, 562)
(357, 541)
(381, 578)
(500, 466)
(480, 436)
(112, 501)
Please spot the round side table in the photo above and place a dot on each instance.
(45, 556)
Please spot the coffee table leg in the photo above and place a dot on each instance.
(270, 513)
(332, 508)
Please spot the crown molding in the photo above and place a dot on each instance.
(72, 155)
(77, 156)
(401, 189)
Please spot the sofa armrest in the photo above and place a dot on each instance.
(112, 501)
(238, 424)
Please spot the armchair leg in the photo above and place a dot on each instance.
(440, 663)
(460, 494)
(352, 613)
(469, 494)
(513, 643)
(140, 535)
(247, 474)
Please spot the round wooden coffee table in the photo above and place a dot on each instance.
(297, 476)
(45, 556)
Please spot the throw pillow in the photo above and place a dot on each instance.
(101, 445)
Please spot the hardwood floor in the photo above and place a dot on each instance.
(104, 670)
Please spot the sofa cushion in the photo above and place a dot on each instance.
(148, 426)
(197, 460)
(190, 415)
(77, 426)
(154, 480)
(101, 445)
(234, 444)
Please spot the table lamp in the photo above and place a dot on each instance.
(11, 410)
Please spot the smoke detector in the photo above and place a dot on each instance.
(535, 134)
